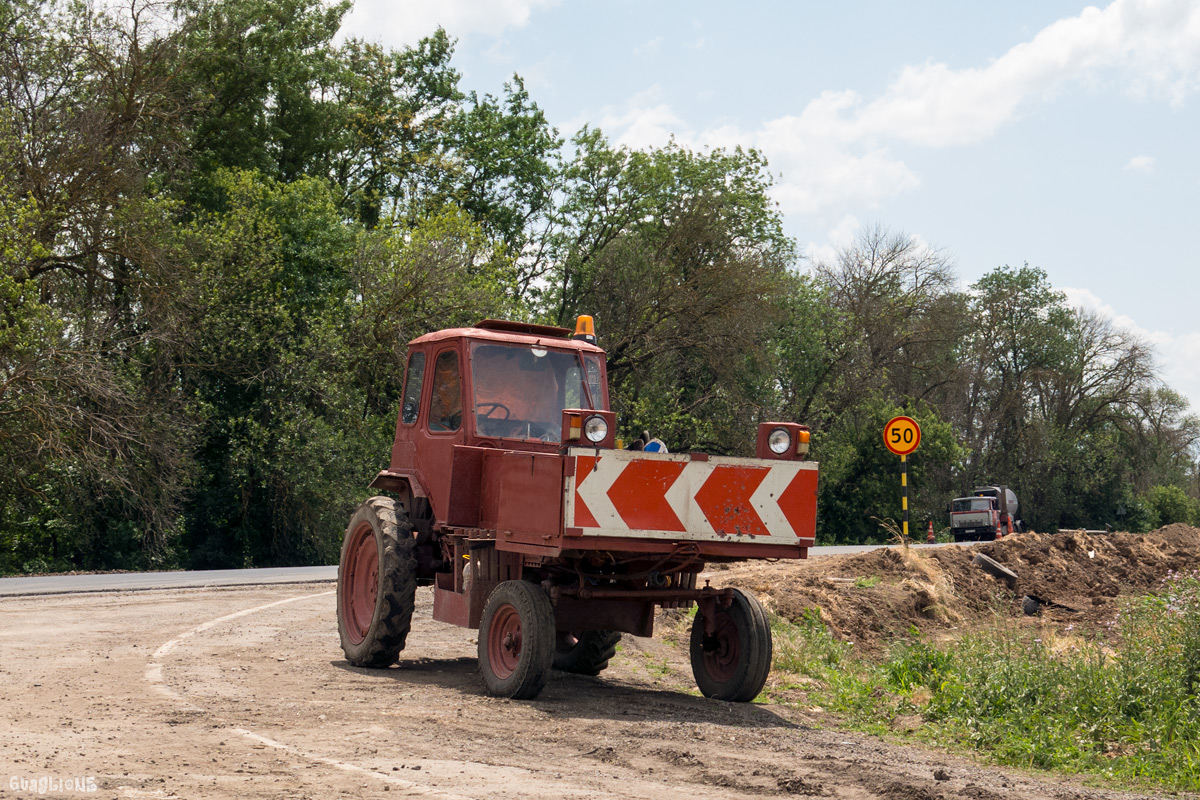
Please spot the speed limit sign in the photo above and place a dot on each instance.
(902, 435)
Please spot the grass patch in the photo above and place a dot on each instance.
(1124, 706)
(657, 667)
(866, 583)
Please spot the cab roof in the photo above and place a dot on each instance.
(498, 330)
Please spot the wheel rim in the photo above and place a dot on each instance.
(504, 641)
(360, 583)
(722, 650)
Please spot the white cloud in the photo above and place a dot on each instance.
(834, 155)
(817, 172)
(1141, 164)
(1153, 45)
(838, 237)
(650, 47)
(645, 121)
(1178, 354)
(406, 23)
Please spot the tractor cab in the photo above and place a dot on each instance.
(499, 385)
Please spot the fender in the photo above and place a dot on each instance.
(400, 482)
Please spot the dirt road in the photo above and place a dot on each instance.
(232, 693)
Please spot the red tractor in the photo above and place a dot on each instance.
(513, 501)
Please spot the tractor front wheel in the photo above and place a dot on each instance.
(516, 640)
(377, 584)
(732, 663)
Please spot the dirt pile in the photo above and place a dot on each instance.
(1072, 564)
(871, 598)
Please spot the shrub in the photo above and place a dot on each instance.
(1171, 504)
(1126, 705)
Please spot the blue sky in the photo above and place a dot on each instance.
(1050, 132)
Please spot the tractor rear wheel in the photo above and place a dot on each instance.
(585, 653)
(732, 663)
(377, 584)
(516, 640)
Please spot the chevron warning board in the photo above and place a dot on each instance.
(670, 496)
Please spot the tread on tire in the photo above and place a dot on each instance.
(516, 640)
(734, 663)
(585, 653)
(376, 641)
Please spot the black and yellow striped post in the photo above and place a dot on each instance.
(902, 435)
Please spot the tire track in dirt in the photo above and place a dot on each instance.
(154, 675)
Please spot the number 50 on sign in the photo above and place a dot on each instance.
(902, 435)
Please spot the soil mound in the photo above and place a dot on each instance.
(871, 598)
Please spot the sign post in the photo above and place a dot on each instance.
(902, 435)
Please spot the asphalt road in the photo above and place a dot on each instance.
(141, 581)
(135, 581)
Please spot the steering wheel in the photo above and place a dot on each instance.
(491, 408)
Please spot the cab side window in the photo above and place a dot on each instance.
(413, 381)
(595, 385)
(445, 407)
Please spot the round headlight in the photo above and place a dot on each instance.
(595, 429)
(779, 441)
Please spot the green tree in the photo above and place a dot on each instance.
(98, 461)
(1160, 438)
(902, 319)
(681, 258)
(503, 165)
(280, 430)
(442, 273)
(299, 324)
(1052, 401)
(393, 112)
(252, 81)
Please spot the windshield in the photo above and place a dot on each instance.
(521, 391)
(973, 504)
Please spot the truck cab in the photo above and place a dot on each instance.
(973, 518)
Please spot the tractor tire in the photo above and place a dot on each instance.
(996, 569)
(377, 584)
(585, 653)
(516, 640)
(733, 663)
(427, 549)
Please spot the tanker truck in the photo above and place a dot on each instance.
(990, 512)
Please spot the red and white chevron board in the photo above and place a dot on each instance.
(667, 496)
